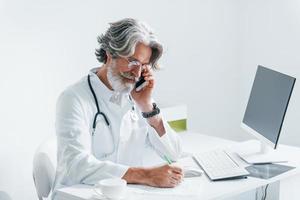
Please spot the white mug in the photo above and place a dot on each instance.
(112, 188)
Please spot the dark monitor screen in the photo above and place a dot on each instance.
(268, 102)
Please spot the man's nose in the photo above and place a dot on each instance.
(137, 71)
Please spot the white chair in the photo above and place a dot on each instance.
(4, 196)
(44, 166)
(175, 115)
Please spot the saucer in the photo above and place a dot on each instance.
(99, 196)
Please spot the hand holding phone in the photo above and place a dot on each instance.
(143, 88)
(140, 84)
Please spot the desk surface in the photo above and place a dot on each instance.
(202, 187)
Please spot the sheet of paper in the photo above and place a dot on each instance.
(187, 162)
(189, 187)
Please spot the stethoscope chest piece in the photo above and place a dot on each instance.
(134, 117)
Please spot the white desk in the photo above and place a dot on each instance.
(203, 187)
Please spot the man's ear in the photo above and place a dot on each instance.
(108, 57)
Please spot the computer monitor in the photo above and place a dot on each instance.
(266, 109)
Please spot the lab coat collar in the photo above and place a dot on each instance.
(99, 86)
(101, 90)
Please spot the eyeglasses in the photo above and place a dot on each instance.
(134, 64)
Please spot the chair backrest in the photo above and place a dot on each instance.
(4, 196)
(44, 166)
(176, 116)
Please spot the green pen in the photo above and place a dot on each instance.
(167, 159)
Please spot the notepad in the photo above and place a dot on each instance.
(187, 188)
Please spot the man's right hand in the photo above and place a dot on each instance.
(165, 176)
(162, 176)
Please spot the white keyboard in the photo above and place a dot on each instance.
(218, 165)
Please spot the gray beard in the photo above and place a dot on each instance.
(117, 81)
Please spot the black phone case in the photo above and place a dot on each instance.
(139, 82)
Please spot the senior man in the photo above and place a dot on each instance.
(104, 122)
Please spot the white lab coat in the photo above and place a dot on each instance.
(84, 158)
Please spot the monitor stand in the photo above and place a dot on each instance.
(265, 155)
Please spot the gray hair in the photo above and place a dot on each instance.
(122, 37)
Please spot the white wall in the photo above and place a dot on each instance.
(269, 35)
(47, 45)
(211, 50)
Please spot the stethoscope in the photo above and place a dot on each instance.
(98, 109)
(133, 114)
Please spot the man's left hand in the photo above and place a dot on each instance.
(143, 97)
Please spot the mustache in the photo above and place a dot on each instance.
(120, 82)
(128, 75)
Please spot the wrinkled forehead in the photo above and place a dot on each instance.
(141, 54)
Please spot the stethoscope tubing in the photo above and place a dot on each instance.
(97, 105)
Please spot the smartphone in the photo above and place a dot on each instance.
(140, 84)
